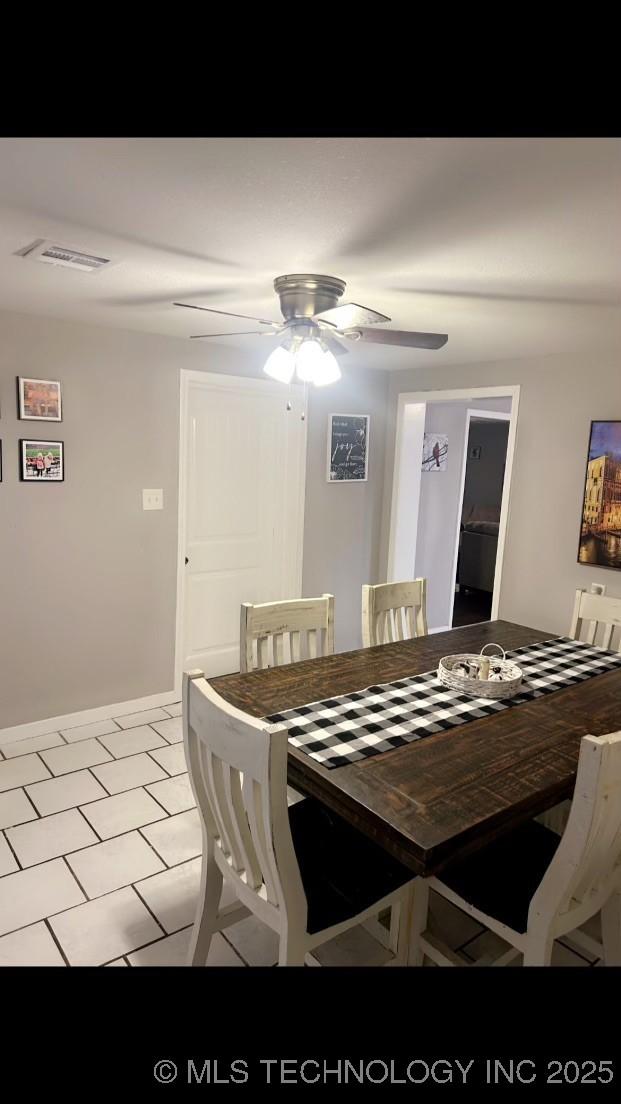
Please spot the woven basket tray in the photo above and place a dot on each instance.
(505, 687)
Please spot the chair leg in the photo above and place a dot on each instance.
(611, 930)
(538, 950)
(291, 949)
(206, 912)
(418, 924)
(400, 922)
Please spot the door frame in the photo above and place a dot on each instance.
(492, 416)
(467, 394)
(223, 382)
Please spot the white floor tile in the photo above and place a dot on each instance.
(15, 808)
(176, 839)
(131, 741)
(7, 859)
(171, 730)
(31, 946)
(355, 947)
(88, 731)
(173, 951)
(172, 759)
(488, 945)
(172, 895)
(65, 792)
(123, 812)
(256, 943)
(34, 894)
(18, 772)
(74, 757)
(104, 929)
(50, 836)
(117, 962)
(174, 710)
(142, 718)
(113, 864)
(35, 743)
(175, 794)
(126, 774)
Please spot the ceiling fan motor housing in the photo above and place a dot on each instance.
(305, 295)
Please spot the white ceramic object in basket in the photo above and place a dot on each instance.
(504, 683)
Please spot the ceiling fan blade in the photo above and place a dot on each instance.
(408, 338)
(238, 333)
(248, 317)
(351, 314)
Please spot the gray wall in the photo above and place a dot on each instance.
(343, 520)
(87, 578)
(559, 397)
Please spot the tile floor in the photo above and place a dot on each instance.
(100, 858)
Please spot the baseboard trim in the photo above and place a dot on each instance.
(442, 628)
(85, 716)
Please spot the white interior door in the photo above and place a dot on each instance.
(242, 509)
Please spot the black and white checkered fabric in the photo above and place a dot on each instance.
(355, 726)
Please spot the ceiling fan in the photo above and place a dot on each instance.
(314, 324)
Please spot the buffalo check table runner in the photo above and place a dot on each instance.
(368, 722)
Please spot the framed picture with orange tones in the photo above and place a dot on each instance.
(39, 400)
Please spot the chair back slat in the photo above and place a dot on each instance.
(601, 612)
(213, 772)
(255, 810)
(249, 859)
(238, 772)
(274, 633)
(393, 611)
(585, 868)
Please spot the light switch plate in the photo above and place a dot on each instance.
(598, 588)
(153, 500)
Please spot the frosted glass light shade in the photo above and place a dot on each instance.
(280, 365)
(316, 365)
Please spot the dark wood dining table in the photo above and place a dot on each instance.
(450, 793)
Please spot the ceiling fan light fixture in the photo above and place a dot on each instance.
(280, 365)
(315, 364)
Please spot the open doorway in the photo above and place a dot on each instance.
(447, 522)
(484, 463)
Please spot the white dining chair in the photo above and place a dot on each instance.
(591, 613)
(600, 611)
(530, 887)
(274, 633)
(393, 611)
(302, 870)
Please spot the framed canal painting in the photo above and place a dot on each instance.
(600, 530)
(348, 448)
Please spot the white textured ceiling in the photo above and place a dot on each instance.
(511, 246)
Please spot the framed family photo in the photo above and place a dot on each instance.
(39, 400)
(348, 448)
(42, 461)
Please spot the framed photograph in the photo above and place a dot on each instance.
(39, 400)
(435, 451)
(42, 461)
(600, 527)
(348, 448)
